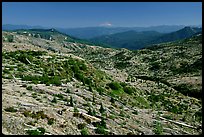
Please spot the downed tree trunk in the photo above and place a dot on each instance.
(92, 118)
(178, 123)
(28, 61)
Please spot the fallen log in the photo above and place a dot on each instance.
(178, 123)
(28, 61)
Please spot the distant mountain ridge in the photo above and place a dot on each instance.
(186, 32)
(118, 37)
(137, 40)
(91, 32)
(129, 39)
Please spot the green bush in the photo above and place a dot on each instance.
(90, 112)
(34, 132)
(128, 90)
(112, 100)
(84, 131)
(60, 96)
(54, 100)
(68, 90)
(10, 38)
(22, 57)
(55, 80)
(158, 128)
(102, 110)
(114, 85)
(100, 90)
(123, 84)
(38, 131)
(71, 101)
(75, 109)
(90, 88)
(81, 126)
(27, 113)
(11, 109)
(50, 121)
(29, 88)
(41, 129)
(135, 112)
(101, 130)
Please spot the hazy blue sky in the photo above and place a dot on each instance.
(83, 14)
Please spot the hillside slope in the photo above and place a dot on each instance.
(85, 89)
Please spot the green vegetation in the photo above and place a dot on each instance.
(112, 100)
(101, 127)
(102, 110)
(54, 100)
(129, 90)
(50, 121)
(84, 131)
(60, 96)
(10, 38)
(114, 85)
(81, 125)
(38, 131)
(158, 130)
(71, 101)
(135, 112)
(29, 88)
(10, 109)
(188, 90)
(75, 109)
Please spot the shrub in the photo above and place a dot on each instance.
(100, 90)
(158, 128)
(41, 114)
(34, 132)
(75, 109)
(135, 112)
(38, 131)
(10, 38)
(84, 131)
(68, 90)
(81, 126)
(29, 88)
(102, 110)
(103, 123)
(93, 99)
(41, 129)
(101, 130)
(88, 121)
(122, 114)
(6, 71)
(87, 81)
(11, 109)
(56, 81)
(114, 85)
(54, 100)
(90, 88)
(34, 95)
(60, 96)
(123, 84)
(112, 100)
(50, 121)
(23, 57)
(71, 101)
(128, 90)
(27, 113)
(90, 112)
